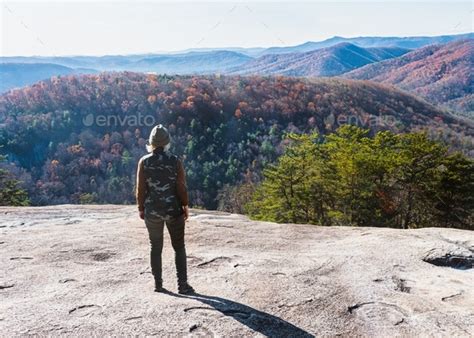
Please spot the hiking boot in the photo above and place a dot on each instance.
(185, 289)
(159, 286)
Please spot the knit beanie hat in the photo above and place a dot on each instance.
(159, 136)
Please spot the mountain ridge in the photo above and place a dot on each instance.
(330, 61)
(411, 42)
(439, 73)
(365, 41)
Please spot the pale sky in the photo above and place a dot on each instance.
(130, 27)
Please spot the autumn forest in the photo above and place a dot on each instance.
(77, 139)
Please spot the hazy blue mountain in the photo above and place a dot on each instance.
(411, 42)
(330, 61)
(191, 62)
(252, 51)
(16, 75)
(107, 62)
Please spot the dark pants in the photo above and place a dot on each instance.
(176, 230)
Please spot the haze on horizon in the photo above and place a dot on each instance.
(108, 28)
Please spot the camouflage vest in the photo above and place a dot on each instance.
(160, 171)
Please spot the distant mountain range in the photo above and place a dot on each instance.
(15, 75)
(191, 62)
(436, 68)
(330, 61)
(442, 74)
(412, 42)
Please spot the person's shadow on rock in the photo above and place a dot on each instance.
(262, 322)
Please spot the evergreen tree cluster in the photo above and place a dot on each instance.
(11, 193)
(349, 178)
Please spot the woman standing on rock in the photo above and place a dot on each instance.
(162, 197)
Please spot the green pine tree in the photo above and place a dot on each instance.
(10, 192)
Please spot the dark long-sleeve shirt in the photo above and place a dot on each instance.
(141, 188)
